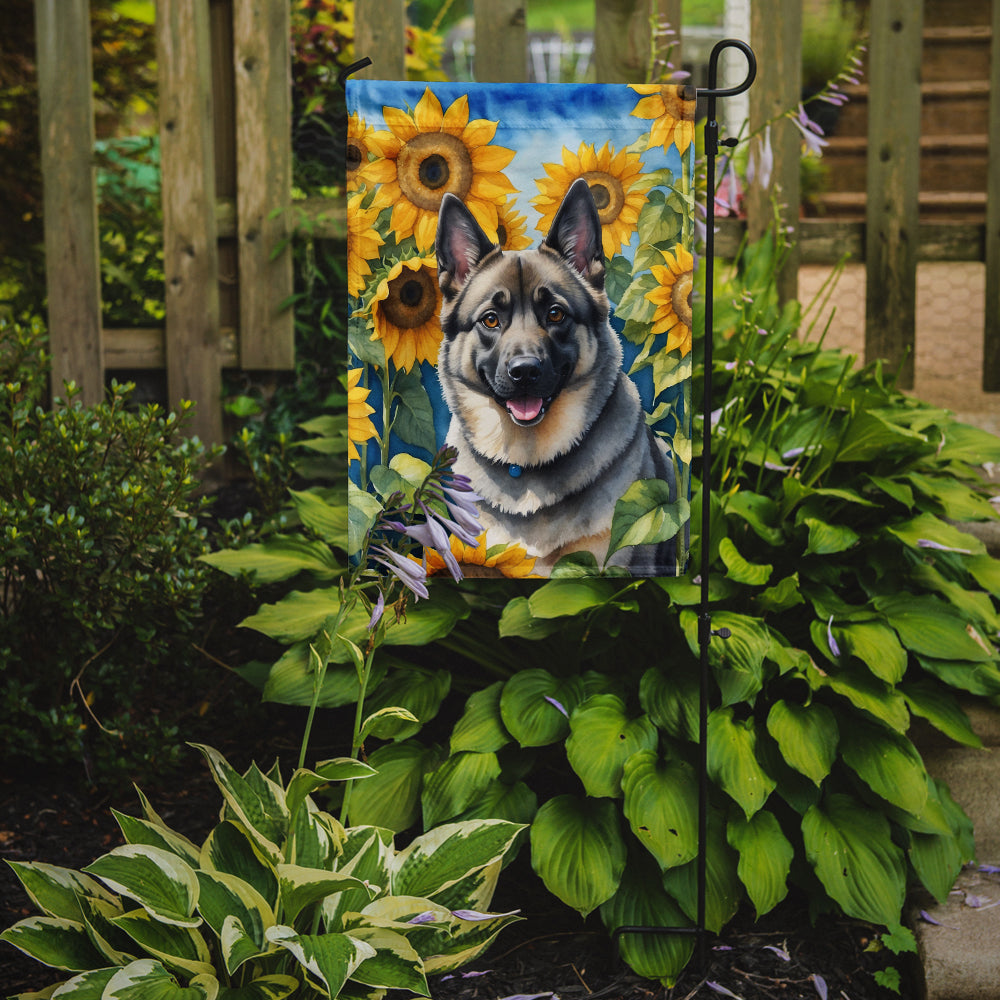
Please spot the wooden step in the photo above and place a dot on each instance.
(940, 13)
(957, 206)
(956, 53)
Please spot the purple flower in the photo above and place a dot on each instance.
(820, 983)
(377, 611)
(411, 574)
(475, 915)
(719, 988)
(834, 648)
(780, 952)
(927, 543)
(760, 165)
(427, 917)
(811, 132)
(558, 705)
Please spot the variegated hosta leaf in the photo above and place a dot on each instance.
(475, 891)
(441, 857)
(732, 760)
(86, 986)
(230, 849)
(807, 736)
(578, 851)
(456, 784)
(301, 887)
(224, 898)
(395, 964)
(315, 838)
(116, 947)
(602, 737)
(147, 979)
(328, 959)
(850, 847)
(256, 801)
(367, 853)
(661, 805)
(141, 831)
(56, 891)
(304, 782)
(158, 880)
(54, 941)
(177, 947)
(642, 902)
(765, 858)
(275, 987)
(481, 727)
(468, 939)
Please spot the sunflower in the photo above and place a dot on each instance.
(361, 147)
(478, 560)
(672, 110)
(511, 227)
(613, 179)
(431, 152)
(363, 241)
(359, 425)
(672, 298)
(405, 312)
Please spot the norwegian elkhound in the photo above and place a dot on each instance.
(548, 427)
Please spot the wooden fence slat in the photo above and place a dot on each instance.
(501, 37)
(72, 256)
(991, 332)
(261, 57)
(892, 215)
(380, 34)
(190, 251)
(776, 37)
(623, 39)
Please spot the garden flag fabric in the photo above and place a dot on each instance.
(519, 281)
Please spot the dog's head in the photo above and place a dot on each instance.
(527, 343)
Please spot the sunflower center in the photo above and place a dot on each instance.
(411, 300)
(680, 297)
(678, 102)
(501, 235)
(431, 164)
(609, 196)
(355, 156)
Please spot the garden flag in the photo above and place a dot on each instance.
(519, 280)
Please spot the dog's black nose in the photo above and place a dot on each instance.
(524, 369)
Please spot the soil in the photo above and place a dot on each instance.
(551, 953)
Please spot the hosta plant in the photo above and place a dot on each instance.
(279, 900)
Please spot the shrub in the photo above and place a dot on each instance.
(280, 899)
(99, 539)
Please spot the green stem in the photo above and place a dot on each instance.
(356, 738)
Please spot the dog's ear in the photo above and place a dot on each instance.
(576, 233)
(461, 244)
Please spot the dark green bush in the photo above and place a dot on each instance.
(100, 587)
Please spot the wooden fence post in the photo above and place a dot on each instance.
(72, 255)
(991, 332)
(776, 36)
(261, 57)
(380, 34)
(893, 183)
(190, 250)
(501, 37)
(625, 44)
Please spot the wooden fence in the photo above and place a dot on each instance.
(226, 161)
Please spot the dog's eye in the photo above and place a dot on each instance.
(490, 320)
(556, 314)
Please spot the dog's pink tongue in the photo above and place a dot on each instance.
(525, 408)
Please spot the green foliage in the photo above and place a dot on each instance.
(101, 587)
(280, 899)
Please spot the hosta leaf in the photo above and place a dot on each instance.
(601, 739)
(142, 831)
(646, 515)
(869, 436)
(641, 901)
(765, 858)
(937, 858)
(760, 512)
(456, 784)
(391, 798)
(87, 986)
(387, 723)
(366, 856)
(932, 628)
(274, 987)
(279, 558)
(417, 690)
(671, 700)
(328, 520)
(578, 851)
(441, 857)
(292, 679)
(395, 964)
(888, 763)
(876, 646)
(466, 941)
(738, 661)
(230, 849)
(301, 887)
(147, 979)
(159, 881)
(976, 678)
(828, 539)
(304, 782)
(732, 760)
(986, 572)
(661, 800)
(928, 528)
(957, 501)
(866, 692)
(330, 959)
(723, 889)
(530, 706)
(180, 948)
(54, 941)
(516, 803)
(807, 736)
(225, 897)
(559, 598)
(517, 620)
(850, 848)
(936, 704)
(783, 595)
(56, 891)
(481, 727)
(738, 569)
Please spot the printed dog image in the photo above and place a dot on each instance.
(549, 429)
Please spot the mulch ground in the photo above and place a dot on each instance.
(551, 953)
